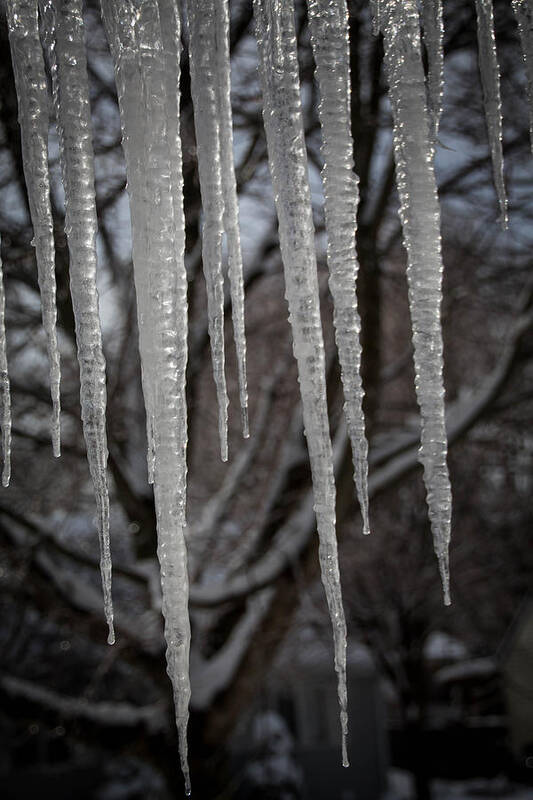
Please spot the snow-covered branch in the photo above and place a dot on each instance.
(294, 536)
(154, 717)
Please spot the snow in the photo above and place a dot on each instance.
(474, 669)
(500, 788)
(440, 646)
(144, 37)
(64, 38)
(32, 96)
(328, 22)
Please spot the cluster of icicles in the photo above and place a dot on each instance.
(145, 41)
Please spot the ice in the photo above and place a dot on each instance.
(145, 42)
(32, 95)
(524, 15)
(6, 393)
(433, 39)
(205, 80)
(282, 114)
(64, 38)
(328, 22)
(231, 208)
(420, 217)
(490, 82)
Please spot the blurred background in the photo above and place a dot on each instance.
(441, 699)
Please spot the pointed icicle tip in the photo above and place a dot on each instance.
(345, 759)
(111, 636)
(245, 423)
(444, 569)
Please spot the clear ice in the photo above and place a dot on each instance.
(282, 115)
(420, 217)
(328, 22)
(5, 422)
(206, 85)
(144, 37)
(32, 95)
(490, 83)
(64, 39)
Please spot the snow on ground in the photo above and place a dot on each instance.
(500, 788)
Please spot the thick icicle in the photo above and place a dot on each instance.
(524, 15)
(282, 115)
(144, 36)
(64, 38)
(5, 423)
(490, 83)
(32, 94)
(231, 207)
(433, 39)
(419, 212)
(205, 95)
(328, 22)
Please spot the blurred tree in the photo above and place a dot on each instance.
(251, 537)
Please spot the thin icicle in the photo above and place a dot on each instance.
(231, 207)
(524, 15)
(490, 83)
(6, 391)
(64, 38)
(282, 114)
(205, 96)
(144, 36)
(328, 22)
(419, 212)
(433, 39)
(32, 94)
(376, 16)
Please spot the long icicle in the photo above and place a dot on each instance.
(231, 206)
(145, 42)
(282, 114)
(523, 10)
(5, 421)
(490, 84)
(64, 38)
(204, 79)
(433, 39)
(420, 217)
(328, 22)
(32, 95)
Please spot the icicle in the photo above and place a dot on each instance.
(146, 53)
(64, 38)
(490, 82)
(328, 22)
(376, 16)
(419, 212)
(282, 114)
(231, 207)
(205, 94)
(6, 392)
(32, 94)
(433, 39)
(524, 15)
